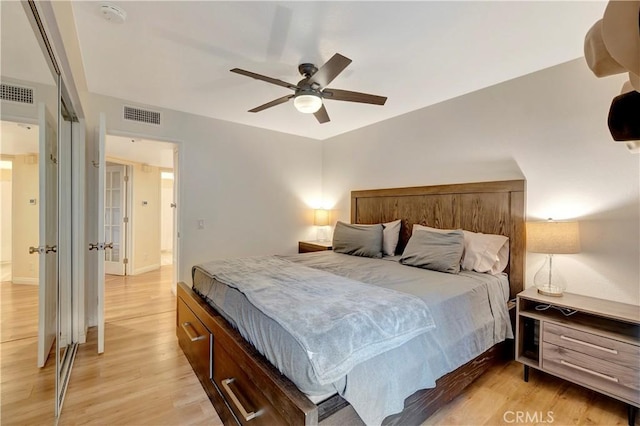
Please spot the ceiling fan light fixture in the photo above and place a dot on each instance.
(307, 104)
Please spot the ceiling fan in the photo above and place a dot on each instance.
(310, 91)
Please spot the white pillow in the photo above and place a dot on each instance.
(390, 237)
(482, 252)
(485, 252)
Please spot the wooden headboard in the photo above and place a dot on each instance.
(487, 207)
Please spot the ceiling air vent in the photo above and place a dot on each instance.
(12, 93)
(141, 115)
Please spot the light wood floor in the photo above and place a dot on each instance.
(143, 377)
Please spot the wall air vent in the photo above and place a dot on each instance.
(141, 115)
(13, 93)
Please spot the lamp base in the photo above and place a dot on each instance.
(548, 281)
(322, 234)
(550, 291)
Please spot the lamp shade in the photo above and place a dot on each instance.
(307, 103)
(321, 217)
(553, 237)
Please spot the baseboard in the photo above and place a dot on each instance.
(25, 280)
(146, 269)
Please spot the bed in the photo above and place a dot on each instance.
(246, 388)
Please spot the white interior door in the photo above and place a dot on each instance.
(114, 219)
(176, 210)
(102, 165)
(48, 233)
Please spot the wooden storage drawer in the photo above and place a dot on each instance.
(593, 372)
(246, 400)
(617, 352)
(194, 339)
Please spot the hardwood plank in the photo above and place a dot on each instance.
(18, 311)
(500, 394)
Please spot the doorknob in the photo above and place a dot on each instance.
(39, 250)
(100, 246)
(173, 205)
(49, 249)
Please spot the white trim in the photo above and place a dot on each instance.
(178, 151)
(128, 236)
(145, 269)
(79, 243)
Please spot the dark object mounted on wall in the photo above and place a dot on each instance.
(624, 117)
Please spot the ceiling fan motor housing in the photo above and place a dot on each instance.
(307, 69)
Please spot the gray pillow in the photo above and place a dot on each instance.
(358, 240)
(438, 251)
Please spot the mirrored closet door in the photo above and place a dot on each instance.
(37, 126)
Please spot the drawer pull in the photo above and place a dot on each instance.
(247, 416)
(591, 345)
(191, 332)
(586, 370)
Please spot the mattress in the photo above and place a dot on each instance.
(469, 310)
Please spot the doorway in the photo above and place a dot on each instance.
(19, 176)
(139, 205)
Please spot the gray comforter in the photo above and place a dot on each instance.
(338, 321)
(469, 310)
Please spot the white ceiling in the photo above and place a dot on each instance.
(21, 56)
(177, 54)
(18, 138)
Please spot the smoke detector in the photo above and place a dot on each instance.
(113, 13)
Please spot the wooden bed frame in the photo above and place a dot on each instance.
(245, 388)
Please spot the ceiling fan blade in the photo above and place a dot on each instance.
(321, 115)
(346, 95)
(264, 78)
(330, 70)
(272, 103)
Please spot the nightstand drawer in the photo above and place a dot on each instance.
(620, 353)
(593, 372)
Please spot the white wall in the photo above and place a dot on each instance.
(253, 188)
(25, 219)
(548, 127)
(145, 219)
(166, 215)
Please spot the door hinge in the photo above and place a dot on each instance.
(125, 261)
(125, 219)
(126, 178)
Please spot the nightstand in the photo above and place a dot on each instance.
(592, 342)
(310, 246)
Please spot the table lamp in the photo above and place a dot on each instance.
(321, 220)
(552, 238)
